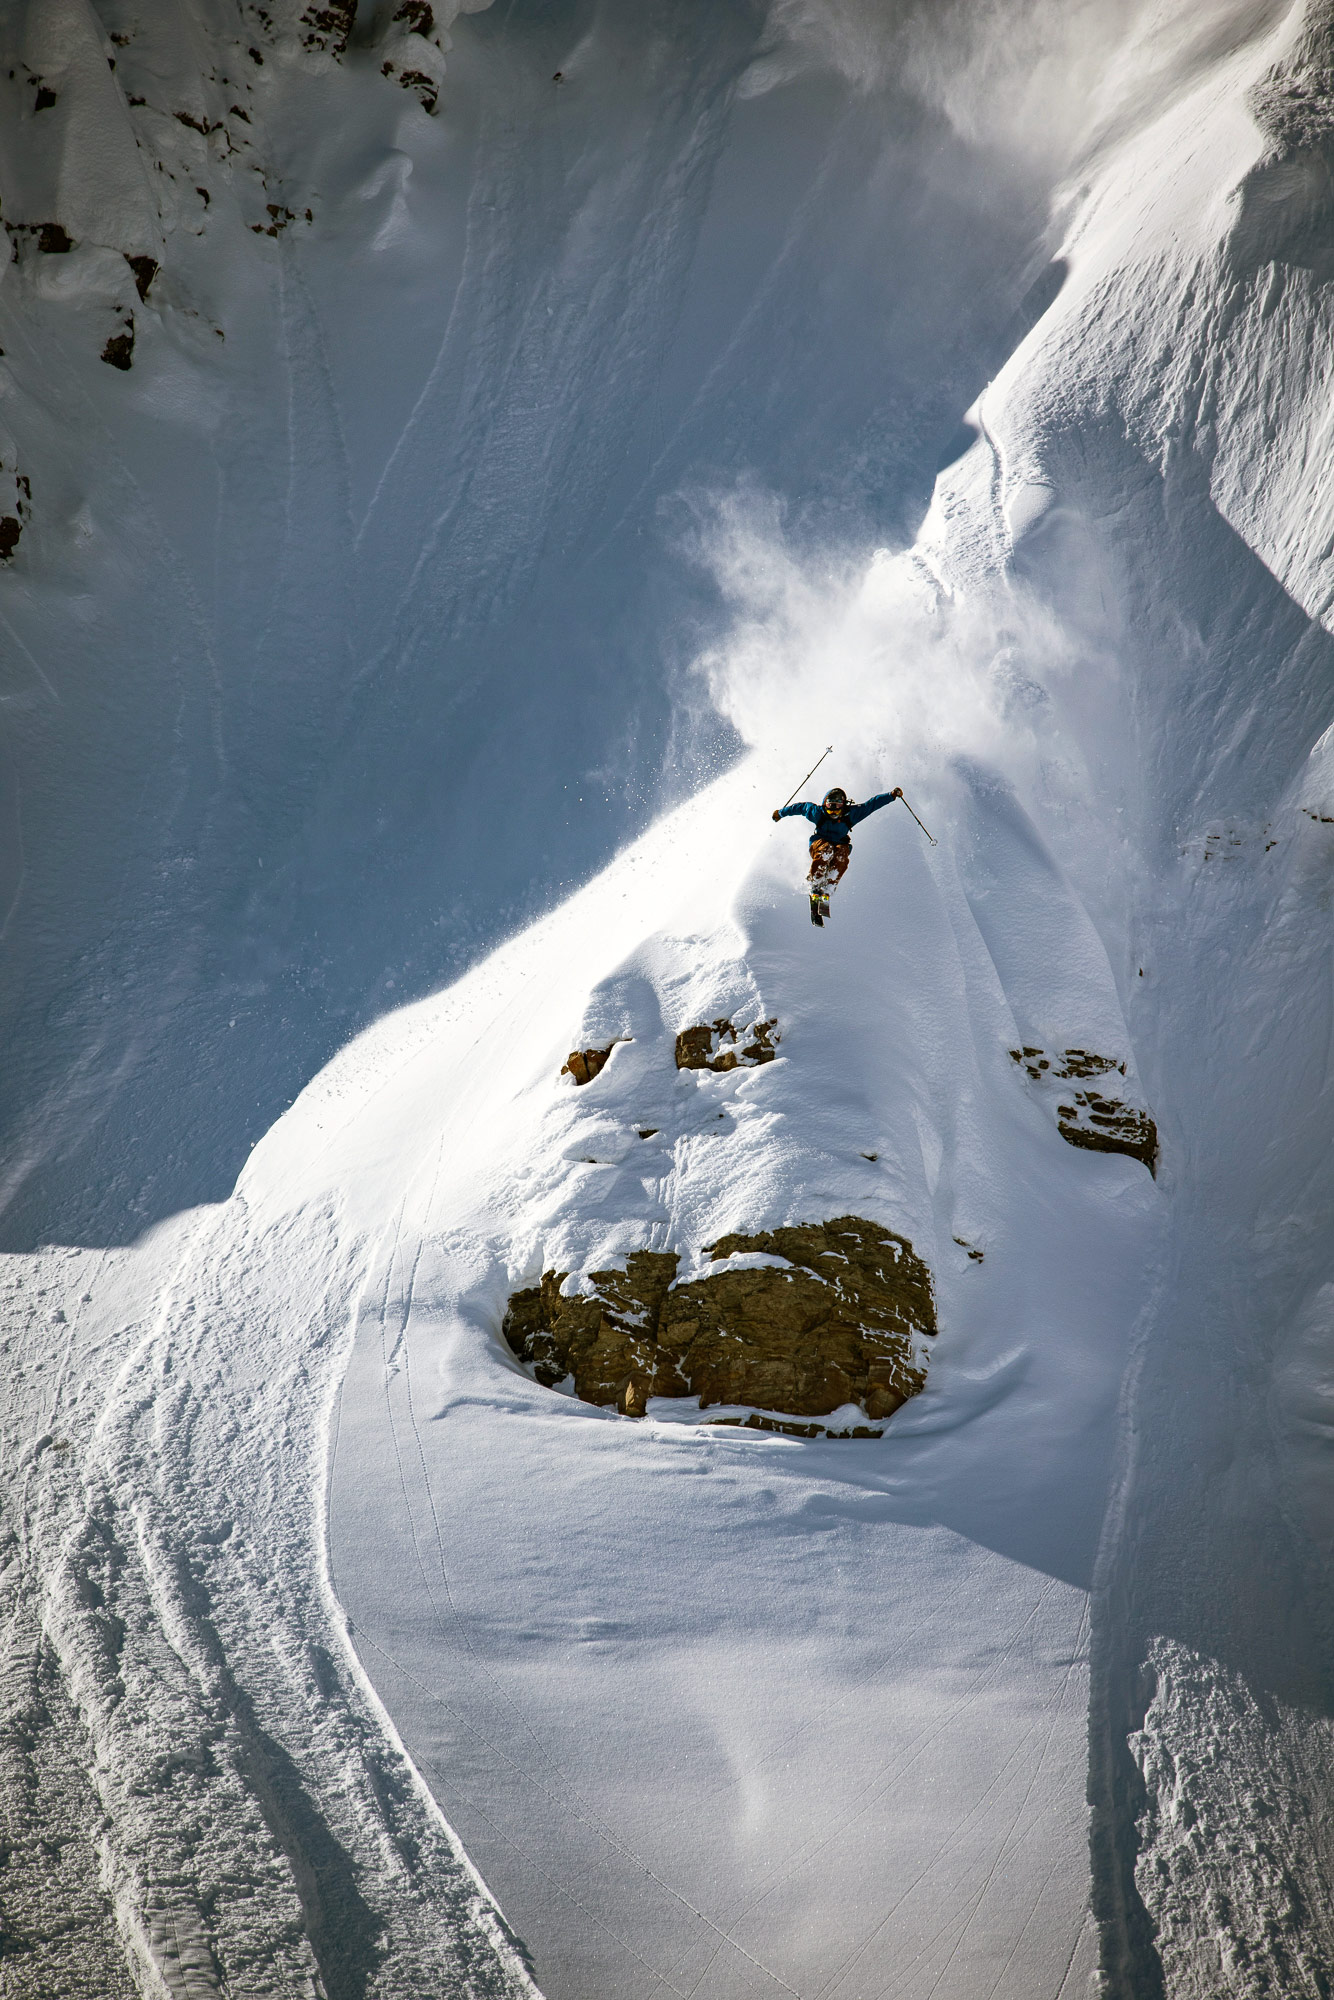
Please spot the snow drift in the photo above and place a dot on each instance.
(447, 481)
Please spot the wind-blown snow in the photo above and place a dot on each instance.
(402, 656)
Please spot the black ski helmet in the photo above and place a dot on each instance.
(835, 801)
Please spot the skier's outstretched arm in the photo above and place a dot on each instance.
(805, 809)
(867, 806)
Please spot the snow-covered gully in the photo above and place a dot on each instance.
(564, 1429)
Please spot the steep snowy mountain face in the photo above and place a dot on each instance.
(565, 1428)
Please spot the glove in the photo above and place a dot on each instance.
(778, 815)
(897, 792)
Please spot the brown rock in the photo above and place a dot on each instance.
(1098, 1124)
(1112, 1127)
(834, 1324)
(119, 350)
(145, 269)
(633, 1399)
(330, 27)
(584, 1064)
(715, 1047)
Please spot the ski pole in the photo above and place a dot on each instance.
(930, 837)
(811, 773)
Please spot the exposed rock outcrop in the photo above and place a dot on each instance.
(119, 350)
(584, 1064)
(718, 1046)
(413, 51)
(838, 1320)
(1106, 1125)
(329, 28)
(51, 240)
(1088, 1118)
(120, 139)
(1070, 1063)
(144, 269)
(15, 508)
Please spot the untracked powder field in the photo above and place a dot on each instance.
(626, 1374)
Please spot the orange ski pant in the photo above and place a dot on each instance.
(829, 864)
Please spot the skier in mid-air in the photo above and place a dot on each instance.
(831, 843)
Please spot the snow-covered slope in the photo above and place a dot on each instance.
(503, 504)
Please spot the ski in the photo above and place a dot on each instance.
(816, 918)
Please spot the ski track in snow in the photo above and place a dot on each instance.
(190, 1661)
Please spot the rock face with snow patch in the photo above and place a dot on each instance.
(717, 1046)
(837, 1321)
(13, 517)
(584, 1064)
(1098, 1123)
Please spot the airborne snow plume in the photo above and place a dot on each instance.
(458, 468)
(877, 653)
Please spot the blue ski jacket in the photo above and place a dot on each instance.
(837, 831)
